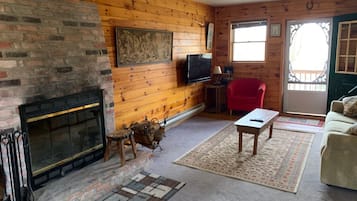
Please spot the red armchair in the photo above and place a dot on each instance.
(245, 94)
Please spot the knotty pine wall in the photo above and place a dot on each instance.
(155, 90)
(272, 70)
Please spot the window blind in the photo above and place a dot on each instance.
(236, 25)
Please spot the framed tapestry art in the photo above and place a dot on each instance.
(142, 46)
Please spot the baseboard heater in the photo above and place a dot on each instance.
(177, 119)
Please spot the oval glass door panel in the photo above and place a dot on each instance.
(309, 52)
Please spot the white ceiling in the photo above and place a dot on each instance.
(216, 3)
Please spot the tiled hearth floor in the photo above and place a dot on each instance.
(96, 180)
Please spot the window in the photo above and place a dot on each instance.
(346, 57)
(249, 41)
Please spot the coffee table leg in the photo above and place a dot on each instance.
(255, 144)
(240, 141)
(271, 131)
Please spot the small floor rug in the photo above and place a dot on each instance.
(146, 187)
(301, 121)
(279, 163)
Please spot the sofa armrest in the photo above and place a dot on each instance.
(337, 141)
(338, 160)
(337, 106)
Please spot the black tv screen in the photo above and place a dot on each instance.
(198, 67)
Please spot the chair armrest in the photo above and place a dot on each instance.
(261, 89)
(337, 106)
(229, 90)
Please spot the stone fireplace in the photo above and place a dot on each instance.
(52, 49)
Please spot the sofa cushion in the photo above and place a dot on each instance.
(337, 106)
(353, 129)
(337, 126)
(350, 106)
(335, 116)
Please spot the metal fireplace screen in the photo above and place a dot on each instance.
(59, 137)
(64, 133)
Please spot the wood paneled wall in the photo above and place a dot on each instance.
(155, 90)
(271, 71)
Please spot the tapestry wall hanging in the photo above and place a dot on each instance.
(142, 46)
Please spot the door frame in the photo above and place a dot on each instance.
(286, 59)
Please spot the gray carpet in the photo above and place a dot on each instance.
(205, 186)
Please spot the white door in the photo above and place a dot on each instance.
(307, 66)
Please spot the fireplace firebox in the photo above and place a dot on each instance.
(64, 134)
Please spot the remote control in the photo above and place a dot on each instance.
(257, 120)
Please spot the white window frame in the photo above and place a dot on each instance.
(247, 24)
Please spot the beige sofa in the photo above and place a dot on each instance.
(339, 149)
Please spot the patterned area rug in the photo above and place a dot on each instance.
(146, 187)
(301, 121)
(279, 163)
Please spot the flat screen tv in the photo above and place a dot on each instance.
(198, 67)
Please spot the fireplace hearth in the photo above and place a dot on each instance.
(64, 134)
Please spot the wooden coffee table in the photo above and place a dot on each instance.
(254, 123)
